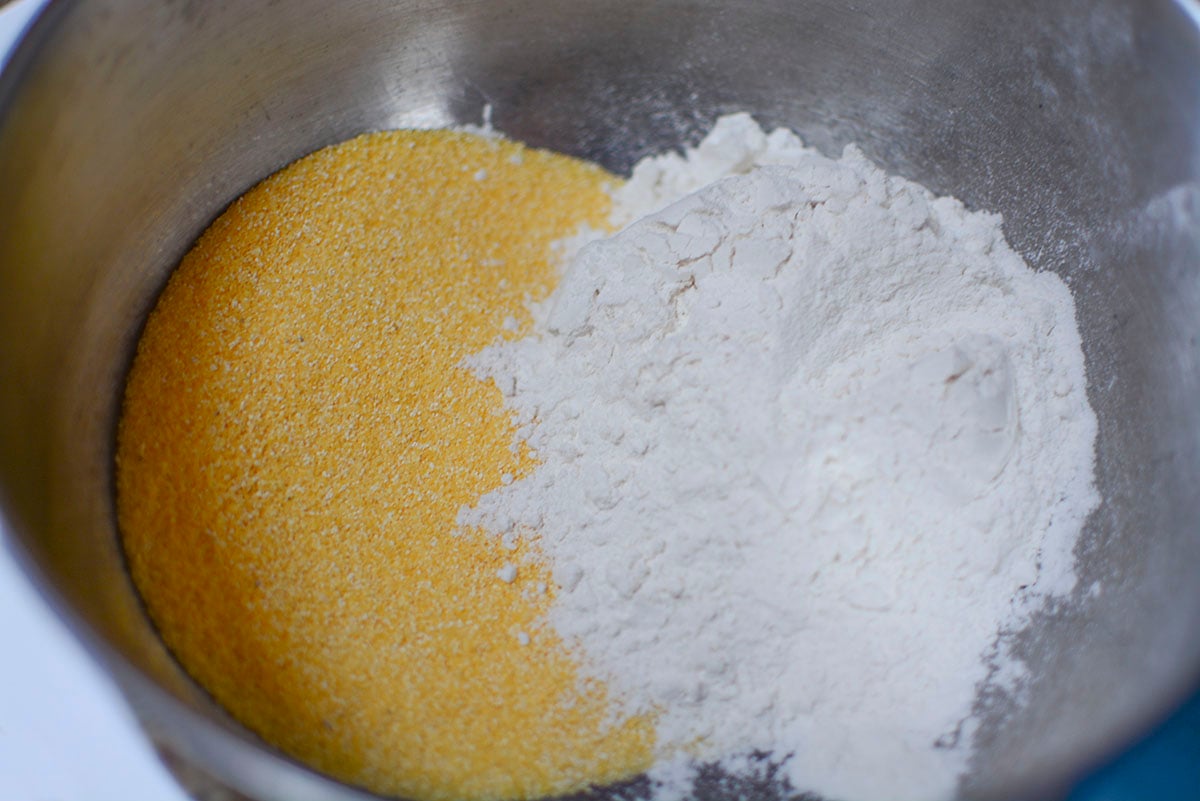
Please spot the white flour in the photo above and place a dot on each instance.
(806, 437)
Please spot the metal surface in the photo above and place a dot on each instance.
(127, 125)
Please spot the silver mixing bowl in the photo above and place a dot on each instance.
(127, 125)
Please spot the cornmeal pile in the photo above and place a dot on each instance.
(297, 438)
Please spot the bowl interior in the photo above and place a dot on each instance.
(128, 125)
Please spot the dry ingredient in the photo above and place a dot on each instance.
(772, 469)
(297, 438)
(809, 441)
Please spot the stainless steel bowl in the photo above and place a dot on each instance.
(127, 125)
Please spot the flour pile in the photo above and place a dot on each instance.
(810, 439)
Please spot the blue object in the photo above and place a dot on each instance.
(1164, 766)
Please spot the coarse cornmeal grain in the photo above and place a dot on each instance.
(297, 438)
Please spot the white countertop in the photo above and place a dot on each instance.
(65, 733)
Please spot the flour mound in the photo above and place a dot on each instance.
(810, 439)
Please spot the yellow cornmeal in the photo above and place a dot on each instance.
(296, 441)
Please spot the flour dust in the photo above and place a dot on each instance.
(809, 439)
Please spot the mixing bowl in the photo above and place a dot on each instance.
(127, 125)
